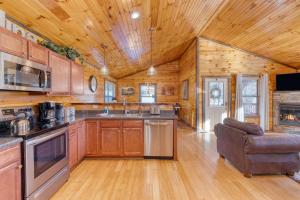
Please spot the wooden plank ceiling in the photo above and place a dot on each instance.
(267, 27)
(86, 25)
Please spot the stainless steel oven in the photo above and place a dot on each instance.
(21, 74)
(46, 164)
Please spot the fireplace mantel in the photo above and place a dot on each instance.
(284, 97)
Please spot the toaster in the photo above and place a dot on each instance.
(155, 110)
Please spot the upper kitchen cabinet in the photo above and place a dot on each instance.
(61, 71)
(37, 53)
(77, 79)
(13, 43)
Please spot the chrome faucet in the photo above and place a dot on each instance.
(106, 111)
(125, 106)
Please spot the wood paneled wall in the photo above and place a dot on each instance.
(187, 71)
(220, 60)
(12, 98)
(166, 77)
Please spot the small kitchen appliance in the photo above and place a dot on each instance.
(59, 112)
(155, 110)
(47, 113)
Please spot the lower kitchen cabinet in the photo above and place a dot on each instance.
(110, 142)
(81, 141)
(73, 147)
(91, 127)
(77, 143)
(10, 173)
(133, 142)
(115, 138)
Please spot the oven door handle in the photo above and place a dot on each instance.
(45, 137)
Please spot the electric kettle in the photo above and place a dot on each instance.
(20, 125)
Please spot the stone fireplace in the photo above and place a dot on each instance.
(286, 115)
(286, 112)
(289, 114)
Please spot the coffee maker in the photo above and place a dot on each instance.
(59, 112)
(47, 113)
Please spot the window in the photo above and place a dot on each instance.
(148, 93)
(250, 96)
(109, 92)
(216, 94)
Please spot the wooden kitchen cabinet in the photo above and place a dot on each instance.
(110, 142)
(91, 127)
(115, 138)
(77, 143)
(81, 141)
(77, 79)
(61, 72)
(133, 142)
(38, 53)
(110, 138)
(73, 147)
(133, 138)
(13, 43)
(10, 173)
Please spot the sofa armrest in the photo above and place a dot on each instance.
(284, 143)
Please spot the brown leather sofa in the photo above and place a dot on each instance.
(251, 151)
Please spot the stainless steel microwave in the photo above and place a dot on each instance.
(21, 74)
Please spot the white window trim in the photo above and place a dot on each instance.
(115, 88)
(155, 93)
(253, 77)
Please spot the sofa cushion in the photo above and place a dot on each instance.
(250, 128)
(273, 143)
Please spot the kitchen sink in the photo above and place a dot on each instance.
(120, 115)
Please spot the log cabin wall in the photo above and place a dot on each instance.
(187, 71)
(17, 98)
(220, 60)
(166, 81)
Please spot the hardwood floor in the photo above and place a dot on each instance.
(198, 174)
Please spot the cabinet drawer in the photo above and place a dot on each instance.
(133, 123)
(110, 123)
(10, 155)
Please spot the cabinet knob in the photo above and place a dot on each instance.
(19, 166)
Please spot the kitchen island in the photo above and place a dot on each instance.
(114, 135)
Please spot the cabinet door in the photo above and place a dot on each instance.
(37, 53)
(81, 141)
(61, 71)
(13, 43)
(110, 142)
(91, 137)
(10, 181)
(73, 147)
(133, 142)
(77, 79)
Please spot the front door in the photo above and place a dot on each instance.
(216, 102)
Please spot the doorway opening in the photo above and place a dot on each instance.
(216, 101)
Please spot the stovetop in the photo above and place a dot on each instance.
(36, 130)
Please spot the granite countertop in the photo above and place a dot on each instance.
(96, 115)
(9, 141)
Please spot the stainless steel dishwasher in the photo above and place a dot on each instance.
(158, 139)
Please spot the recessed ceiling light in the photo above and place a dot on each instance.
(135, 15)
